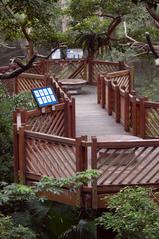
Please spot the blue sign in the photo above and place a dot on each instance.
(45, 96)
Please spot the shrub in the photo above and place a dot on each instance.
(132, 214)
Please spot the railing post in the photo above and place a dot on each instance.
(131, 79)
(90, 71)
(73, 118)
(121, 65)
(21, 156)
(109, 97)
(15, 146)
(47, 80)
(134, 116)
(19, 120)
(98, 89)
(126, 111)
(85, 75)
(16, 85)
(81, 163)
(81, 154)
(102, 92)
(67, 119)
(142, 118)
(58, 93)
(117, 104)
(94, 166)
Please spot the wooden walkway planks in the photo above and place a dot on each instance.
(91, 120)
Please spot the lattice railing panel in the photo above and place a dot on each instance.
(27, 84)
(132, 166)
(53, 159)
(152, 122)
(103, 67)
(122, 81)
(37, 69)
(64, 70)
(48, 123)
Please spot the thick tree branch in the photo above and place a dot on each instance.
(151, 46)
(22, 67)
(25, 33)
(116, 21)
(152, 12)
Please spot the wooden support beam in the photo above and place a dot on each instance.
(117, 104)
(94, 166)
(102, 92)
(21, 156)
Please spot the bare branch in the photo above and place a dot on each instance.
(134, 42)
(6, 46)
(126, 34)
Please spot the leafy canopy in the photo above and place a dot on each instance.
(28, 18)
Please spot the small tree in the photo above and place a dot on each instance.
(132, 215)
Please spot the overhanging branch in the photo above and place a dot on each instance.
(23, 67)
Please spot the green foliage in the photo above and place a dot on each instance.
(11, 193)
(74, 182)
(9, 230)
(117, 7)
(25, 209)
(21, 18)
(133, 215)
(7, 105)
(79, 9)
(150, 89)
(92, 32)
(138, 22)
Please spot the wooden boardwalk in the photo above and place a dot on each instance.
(45, 144)
(91, 120)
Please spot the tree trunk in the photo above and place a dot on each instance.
(29, 50)
(29, 46)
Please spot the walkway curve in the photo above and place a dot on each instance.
(91, 120)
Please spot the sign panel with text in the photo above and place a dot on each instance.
(45, 96)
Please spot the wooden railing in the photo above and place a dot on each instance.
(97, 67)
(114, 80)
(40, 155)
(120, 163)
(27, 81)
(43, 145)
(8, 84)
(56, 120)
(63, 69)
(124, 163)
(52, 120)
(138, 115)
(46, 155)
(84, 68)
